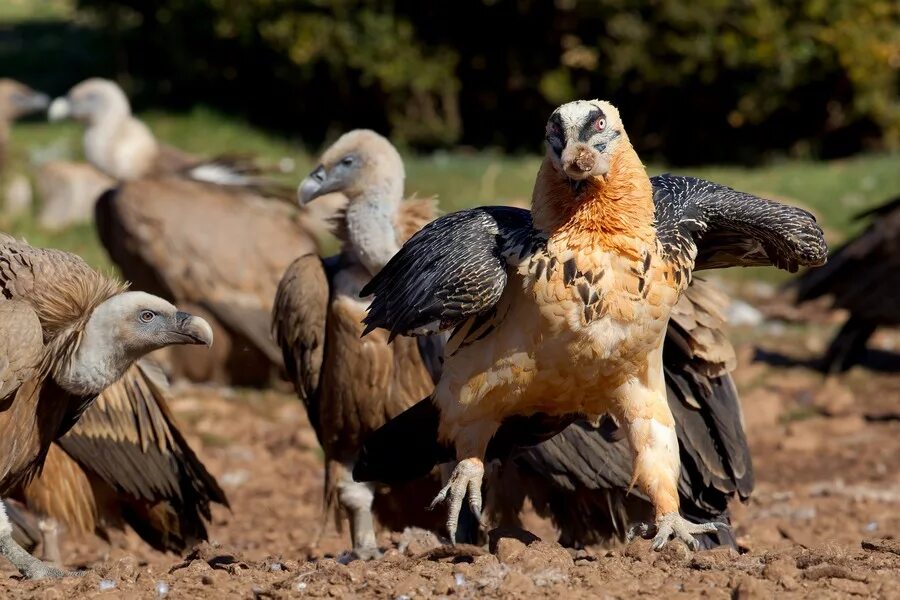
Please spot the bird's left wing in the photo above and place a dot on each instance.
(718, 227)
(129, 438)
(453, 269)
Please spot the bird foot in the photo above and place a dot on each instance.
(29, 566)
(673, 525)
(465, 480)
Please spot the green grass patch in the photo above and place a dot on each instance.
(833, 190)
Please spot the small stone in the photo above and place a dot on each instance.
(459, 580)
(106, 584)
(162, 588)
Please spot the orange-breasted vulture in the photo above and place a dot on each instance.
(863, 278)
(352, 385)
(581, 478)
(67, 333)
(16, 100)
(564, 310)
(200, 233)
(125, 462)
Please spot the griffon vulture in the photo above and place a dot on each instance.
(863, 278)
(565, 309)
(351, 386)
(66, 334)
(195, 232)
(125, 462)
(16, 100)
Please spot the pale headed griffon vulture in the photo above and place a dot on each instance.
(352, 385)
(66, 334)
(564, 309)
(196, 232)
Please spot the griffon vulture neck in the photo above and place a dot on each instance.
(119, 144)
(371, 222)
(614, 212)
(102, 352)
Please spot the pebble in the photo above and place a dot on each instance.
(106, 584)
(162, 588)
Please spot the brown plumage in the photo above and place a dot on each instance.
(195, 232)
(565, 310)
(862, 277)
(351, 386)
(66, 334)
(126, 462)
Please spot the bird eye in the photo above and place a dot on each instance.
(347, 161)
(147, 316)
(600, 124)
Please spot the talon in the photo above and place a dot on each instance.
(674, 525)
(464, 481)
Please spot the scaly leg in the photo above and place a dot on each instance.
(465, 480)
(27, 565)
(356, 499)
(643, 411)
(50, 540)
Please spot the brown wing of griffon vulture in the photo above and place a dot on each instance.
(126, 462)
(352, 385)
(66, 334)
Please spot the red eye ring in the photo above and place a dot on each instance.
(600, 124)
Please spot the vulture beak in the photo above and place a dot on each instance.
(192, 330)
(580, 161)
(33, 102)
(59, 109)
(311, 187)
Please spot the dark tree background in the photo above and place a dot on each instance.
(696, 80)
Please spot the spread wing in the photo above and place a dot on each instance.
(206, 245)
(587, 470)
(710, 226)
(298, 323)
(453, 269)
(129, 439)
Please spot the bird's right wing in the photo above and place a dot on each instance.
(129, 438)
(298, 324)
(453, 269)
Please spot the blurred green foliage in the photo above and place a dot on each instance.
(696, 80)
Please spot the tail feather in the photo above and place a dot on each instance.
(404, 448)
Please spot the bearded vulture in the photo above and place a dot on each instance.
(67, 333)
(862, 277)
(202, 233)
(352, 386)
(564, 310)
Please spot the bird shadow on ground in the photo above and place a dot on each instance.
(881, 361)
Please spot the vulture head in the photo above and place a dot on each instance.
(360, 163)
(121, 330)
(18, 100)
(582, 137)
(91, 101)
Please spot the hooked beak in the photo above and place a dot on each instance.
(34, 102)
(59, 109)
(311, 187)
(580, 161)
(192, 330)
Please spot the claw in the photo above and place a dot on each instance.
(671, 526)
(464, 481)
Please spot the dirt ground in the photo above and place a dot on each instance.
(824, 520)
